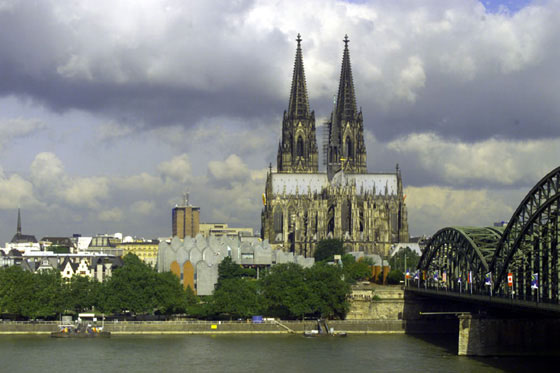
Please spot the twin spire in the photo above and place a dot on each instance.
(346, 99)
(299, 103)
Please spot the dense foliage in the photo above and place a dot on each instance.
(285, 290)
(135, 288)
(327, 248)
(397, 262)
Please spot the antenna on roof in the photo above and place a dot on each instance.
(186, 199)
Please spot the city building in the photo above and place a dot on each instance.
(93, 265)
(222, 229)
(303, 205)
(195, 260)
(185, 219)
(147, 251)
(106, 244)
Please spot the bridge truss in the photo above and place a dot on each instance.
(527, 249)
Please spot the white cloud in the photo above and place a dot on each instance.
(51, 181)
(178, 168)
(11, 129)
(431, 208)
(493, 161)
(143, 207)
(231, 170)
(16, 192)
(115, 214)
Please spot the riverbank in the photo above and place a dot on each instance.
(238, 327)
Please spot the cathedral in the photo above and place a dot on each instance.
(303, 205)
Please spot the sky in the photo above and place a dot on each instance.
(111, 110)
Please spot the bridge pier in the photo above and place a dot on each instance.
(485, 336)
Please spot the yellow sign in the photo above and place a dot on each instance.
(214, 326)
(264, 199)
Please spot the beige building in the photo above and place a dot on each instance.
(185, 220)
(222, 229)
(303, 205)
(147, 251)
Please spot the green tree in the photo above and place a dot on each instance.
(131, 288)
(237, 297)
(57, 249)
(395, 276)
(169, 294)
(47, 298)
(16, 290)
(227, 269)
(327, 248)
(81, 293)
(329, 291)
(397, 261)
(286, 293)
(355, 270)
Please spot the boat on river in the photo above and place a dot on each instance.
(80, 331)
(323, 330)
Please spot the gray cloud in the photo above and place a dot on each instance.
(464, 99)
(444, 67)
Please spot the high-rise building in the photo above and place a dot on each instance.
(303, 205)
(185, 219)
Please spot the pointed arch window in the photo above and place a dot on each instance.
(278, 220)
(299, 147)
(349, 148)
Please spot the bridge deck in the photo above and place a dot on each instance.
(513, 304)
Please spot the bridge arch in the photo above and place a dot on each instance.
(458, 250)
(529, 244)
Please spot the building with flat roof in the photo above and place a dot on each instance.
(185, 219)
(222, 229)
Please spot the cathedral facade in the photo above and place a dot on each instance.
(303, 206)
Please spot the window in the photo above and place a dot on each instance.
(300, 147)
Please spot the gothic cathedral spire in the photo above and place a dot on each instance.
(297, 152)
(346, 148)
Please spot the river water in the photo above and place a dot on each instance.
(251, 353)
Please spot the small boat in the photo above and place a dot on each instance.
(81, 331)
(323, 330)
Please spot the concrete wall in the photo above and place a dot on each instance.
(484, 336)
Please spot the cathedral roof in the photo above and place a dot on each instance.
(299, 103)
(293, 184)
(346, 99)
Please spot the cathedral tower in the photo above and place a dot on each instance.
(297, 151)
(346, 148)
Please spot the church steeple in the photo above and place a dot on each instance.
(299, 104)
(298, 151)
(18, 221)
(346, 99)
(346, 149)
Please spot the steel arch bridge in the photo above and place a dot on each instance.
(527, 249)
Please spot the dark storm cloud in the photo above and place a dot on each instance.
(44, 58)
(447, 68)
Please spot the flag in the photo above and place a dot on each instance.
(407, 276)
(444, 276)
(488, 279)
(469, 279)
(436, 276)
(417, 275)
(535, 281)
(424, 275)
(459, 279)
(510, 279)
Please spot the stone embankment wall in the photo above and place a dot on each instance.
(215, 327)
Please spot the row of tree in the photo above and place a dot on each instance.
(135, 287)
(285, 291)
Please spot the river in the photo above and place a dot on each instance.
(255, 353)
